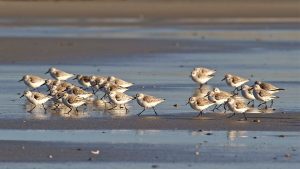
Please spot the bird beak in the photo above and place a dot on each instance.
(22, 96)
(47, 71)
(21, 80)
(224, 79)
(206, 95)
(75, 78)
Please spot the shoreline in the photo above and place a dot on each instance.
(213, 121)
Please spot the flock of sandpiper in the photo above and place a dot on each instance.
(63, 93)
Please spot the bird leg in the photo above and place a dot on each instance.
(252, 103)
(214, 108)
(32, 108)
(69, 110)
(126, 109)
(44, 108)
(200, 114)
(113, 107)
(103, 96)
(262, 104)
(141, 112)
(225, 108)
(219, 106)
(272, 101)
(245, 116)
(231, 115)
(154, 111)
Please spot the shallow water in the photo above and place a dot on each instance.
(259, 52)
(199, 148)
(230, 138)
(167, 76)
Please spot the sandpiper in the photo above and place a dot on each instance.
(33, 81)
(237, 106)
(77, 91)
(59, 74)
(97, 82)
(147, 101)
(83, 80)
(268, 87)
(119, 82)
(50, 83)
(247, 93)
(235, 81)
(199, 104)
(72, 101)
(219, 98)
(199, 77)
(36, 98)
(204, 71)
(109, 87)
(263, 96)
(119, 98)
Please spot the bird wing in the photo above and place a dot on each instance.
(151, 99)
(86, 79)
(35, 79)
(268, 86)
(61, 73)
(38, 96)
(119, 96)
(264, 93)
(73, 99)
(202, 101)
(237, 79)
(222, 95)
(240, 104)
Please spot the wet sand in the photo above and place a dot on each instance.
(151, 9)
(17, 151)
(213, 121)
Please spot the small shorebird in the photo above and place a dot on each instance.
(201, 78)
(247, 93)
(199, 104)
(147, 101)
(59, 74)
(77, 91)
(33, 81)
(204, 71)
(72, 101)
(83, 80)
(119, 82)
(237, 106)
(97, 82)
(263, 96)
(109, 87)
(235, 81)
(119, 98)
(57, 99)
(219, 98)
(36, 98)
(268, 87)
(50, 83)
(217, 90)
